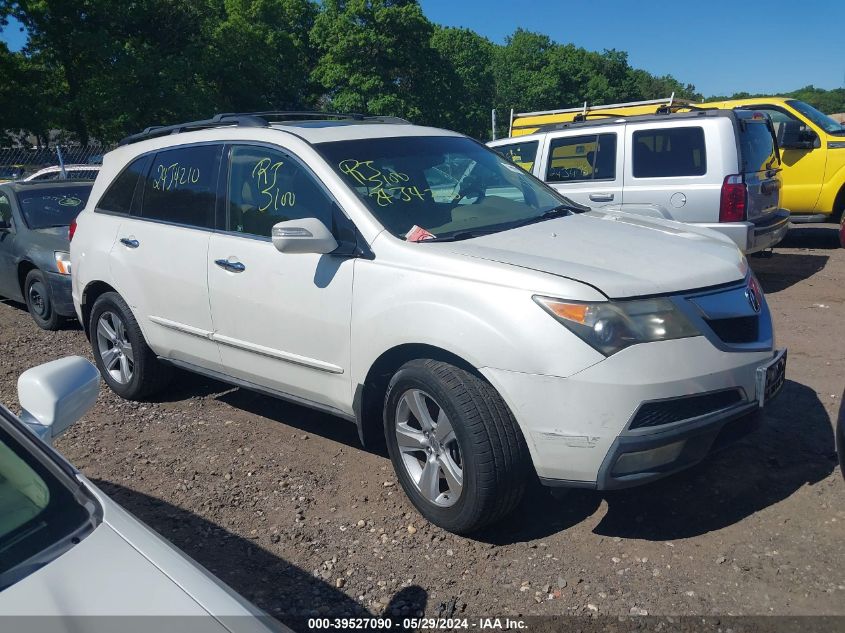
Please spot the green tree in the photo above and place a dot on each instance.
(261, 55)
(374, 56)
(465, 89)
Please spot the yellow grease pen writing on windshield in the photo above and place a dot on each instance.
(382, 185)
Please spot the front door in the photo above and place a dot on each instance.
(585, 167)
(282, 321)
(159, 258)
(9, 284)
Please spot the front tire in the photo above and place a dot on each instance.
(454, 444)
(39, 301)
(126, 362)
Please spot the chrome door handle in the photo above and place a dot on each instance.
(601, 197)
(235, 267)
(130, 243)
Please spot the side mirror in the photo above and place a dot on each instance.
(795, 135)
(307, 235)
(56, 394)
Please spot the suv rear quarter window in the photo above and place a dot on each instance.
(118, 197)
(181, 186)
(669, 152)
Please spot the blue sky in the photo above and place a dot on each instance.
(721, 47)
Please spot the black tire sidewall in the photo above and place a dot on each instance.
(112, 302)
(52, 320)
(455, 518)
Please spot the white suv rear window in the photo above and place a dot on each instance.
(669, 152)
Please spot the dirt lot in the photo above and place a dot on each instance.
(283, 504)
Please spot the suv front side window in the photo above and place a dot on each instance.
(669, 152)
(578, 158)
(523, 154)
(181, 186)
(267, 186)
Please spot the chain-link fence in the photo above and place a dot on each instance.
(79, 161)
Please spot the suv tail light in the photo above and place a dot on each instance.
(71, 230)
(733, 200)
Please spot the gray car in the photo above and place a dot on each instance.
(70, 554)
(34, 261)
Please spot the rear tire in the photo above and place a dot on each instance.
(465, 464)
(126, 362)
(39, 301)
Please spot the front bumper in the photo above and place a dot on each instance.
(577, 427)
(60, 293)
(751, 237)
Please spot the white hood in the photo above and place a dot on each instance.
(620, 254)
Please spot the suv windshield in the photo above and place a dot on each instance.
(819, 118)
(444, 187)
(39, 513)
(54, 206)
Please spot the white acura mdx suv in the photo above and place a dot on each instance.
(417, 283)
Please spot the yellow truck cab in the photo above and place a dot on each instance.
(812, 145)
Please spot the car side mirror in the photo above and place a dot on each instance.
(796, 135)
(56, 394)
(306, 235)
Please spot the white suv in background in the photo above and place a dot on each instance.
(717, 169)
(415, 282)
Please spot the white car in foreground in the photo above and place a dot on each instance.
(67, 550)
(414, 281)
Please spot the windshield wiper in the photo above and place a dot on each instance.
(560, 211)
(461, 235)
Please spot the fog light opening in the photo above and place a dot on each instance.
(641, 461)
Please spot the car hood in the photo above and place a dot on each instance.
(620, 254)
(51, 238)
(102, 575)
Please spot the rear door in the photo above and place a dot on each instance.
(159, 259)
(585, 166)
(760, 165)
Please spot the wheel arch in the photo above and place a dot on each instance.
(369, 395)
(89, 295)
(25, 266)
(839, 205)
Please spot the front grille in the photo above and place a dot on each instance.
(745, 329)
(667, 411)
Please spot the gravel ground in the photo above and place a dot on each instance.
(285, 506)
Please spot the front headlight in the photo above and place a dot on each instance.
(611, 326)
(63, 262)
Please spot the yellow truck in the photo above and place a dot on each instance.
(812, 145)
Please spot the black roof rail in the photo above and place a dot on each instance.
(252, 119)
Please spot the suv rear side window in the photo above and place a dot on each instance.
(181, 186)
(522, 154)
(669, 152)
(578, 158)
(118, 197)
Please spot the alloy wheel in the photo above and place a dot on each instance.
(429, 448)
(115, 348)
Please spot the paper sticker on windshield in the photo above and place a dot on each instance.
(418, 234)
(513, 168)
(70, 201)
